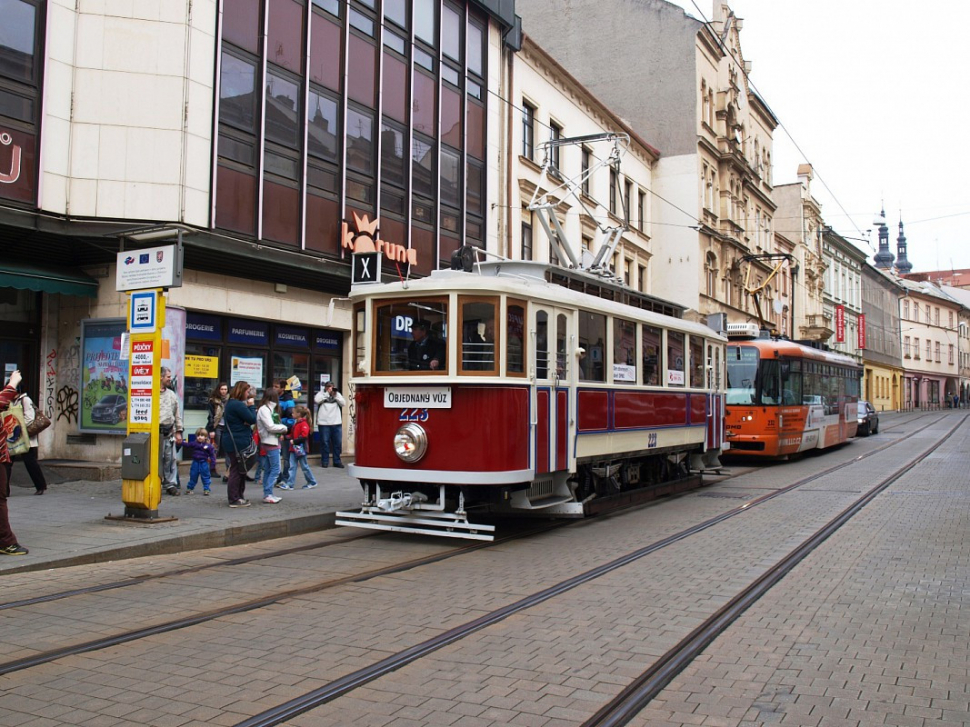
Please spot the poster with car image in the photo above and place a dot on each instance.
(104, 377)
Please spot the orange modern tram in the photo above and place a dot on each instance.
(784, 398)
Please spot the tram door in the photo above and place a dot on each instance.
(551, 334)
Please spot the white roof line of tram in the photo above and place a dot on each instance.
(442, 283)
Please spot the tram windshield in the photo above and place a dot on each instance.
(752, 381)
(411, 335)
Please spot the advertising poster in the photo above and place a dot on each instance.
(173, 350)
(104, 377)
(249, 370)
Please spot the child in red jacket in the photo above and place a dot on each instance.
(299, 447)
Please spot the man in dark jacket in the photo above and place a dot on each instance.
(426, 352)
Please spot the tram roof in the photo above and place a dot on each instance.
(785, 347)
(547, 282)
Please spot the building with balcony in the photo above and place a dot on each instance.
(682, 84)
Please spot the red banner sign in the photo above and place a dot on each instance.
(862, 330)
(840, 323)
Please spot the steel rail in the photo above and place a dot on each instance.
(343, 685)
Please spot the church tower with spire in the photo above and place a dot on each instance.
(884, 258)
(903, 265)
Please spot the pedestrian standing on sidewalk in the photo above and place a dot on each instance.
(270, 428)
(330, 404)
(287, 404)
(203, 455)
(8, 541)
(299, 447)
(170, 432)
(216, 423)
(240, 416)
(30, 457)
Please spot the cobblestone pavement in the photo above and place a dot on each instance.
(551, 665)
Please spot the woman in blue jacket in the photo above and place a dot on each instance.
(240, 415)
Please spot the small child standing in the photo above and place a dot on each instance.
(299, 447)
(203, 453)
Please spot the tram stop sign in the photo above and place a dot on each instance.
(366, 268)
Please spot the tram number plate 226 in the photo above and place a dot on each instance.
(413, 415)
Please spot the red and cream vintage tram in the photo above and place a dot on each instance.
(784, 397)
(524, 388)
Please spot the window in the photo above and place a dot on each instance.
(652, 355)
(711, 273)
(411, 335)
(950, 360)
(696, 362)
(916, 348)
(906, 309)
(323, 127)
(641, 208)
(237, 93)
(555, 134)
(624, 351)
(542, 345)
(17, 40)
(627, 200)
(526, 241)
(592, 339)
(393, 169)
(936, 316)
(614, 185)
(478, 336)
(515, 338)
(916, 311)
(950, 325)
(585, 156)
(929, 350)
(360, 141)
(528, 130)
(906, 346)
(676, 365)
(936, 350)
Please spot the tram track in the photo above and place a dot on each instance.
(342, 686)
(632, 699)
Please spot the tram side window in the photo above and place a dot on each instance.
(360, 333)
(411, 335)
(515, 338)
(478, 342)
(675, 359)
(791, 383)
(592, 338)
(624, 352)
(652, 356)
(697, 362)
(542, 345)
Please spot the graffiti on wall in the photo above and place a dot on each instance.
(48, 394)
(67, 404)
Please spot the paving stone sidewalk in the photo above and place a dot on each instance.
(67, 525)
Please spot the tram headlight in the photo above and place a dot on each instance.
(411, 442)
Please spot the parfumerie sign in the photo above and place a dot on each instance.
(155, 267)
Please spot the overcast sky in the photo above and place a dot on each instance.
(875, 95)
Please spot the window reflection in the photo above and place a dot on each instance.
(424, 21)
(282, 110)
(450, 177)
(324, 127)
(237, 82)
(392, 154)
(360, 141)
(451, 32)
(17, 39)
(422, 157)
